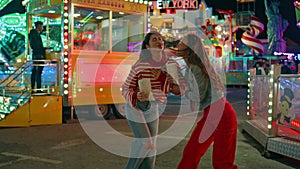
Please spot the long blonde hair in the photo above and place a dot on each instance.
(198, 56)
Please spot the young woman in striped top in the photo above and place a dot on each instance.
(142, 108)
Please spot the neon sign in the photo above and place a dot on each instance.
(163, 4)
(290, 56)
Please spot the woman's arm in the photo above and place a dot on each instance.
(129, 88)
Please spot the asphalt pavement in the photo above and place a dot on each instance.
(88, 144)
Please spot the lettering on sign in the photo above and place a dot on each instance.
(103, 3)
(162, 4)
(135, 7)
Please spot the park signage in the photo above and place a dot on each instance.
(178, 4)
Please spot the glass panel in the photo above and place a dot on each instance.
(260, 95)
(288, 113)
(91, 29)
(53, 39)
(127, 32)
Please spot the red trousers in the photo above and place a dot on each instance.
(221, 130)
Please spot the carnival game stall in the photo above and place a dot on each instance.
(104, 43)
(18, 106)
(91, 54)
(94, 50)
(273, 111)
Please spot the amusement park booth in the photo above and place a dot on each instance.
(274, 112)
(92, 47)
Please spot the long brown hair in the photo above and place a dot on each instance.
(198, 56)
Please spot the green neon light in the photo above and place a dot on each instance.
(3, 3)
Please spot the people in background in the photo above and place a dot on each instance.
(38, 53)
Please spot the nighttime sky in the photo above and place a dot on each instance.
(286, 9)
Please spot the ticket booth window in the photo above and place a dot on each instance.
(92, 30)
(127, 32)
(90, 26)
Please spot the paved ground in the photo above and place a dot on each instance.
(76, 145)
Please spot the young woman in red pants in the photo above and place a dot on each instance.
(219, 123)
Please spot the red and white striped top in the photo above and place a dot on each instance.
(160, 86)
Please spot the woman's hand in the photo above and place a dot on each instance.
(142, 96)
(175, 89)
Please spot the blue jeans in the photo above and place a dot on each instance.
(144, 126)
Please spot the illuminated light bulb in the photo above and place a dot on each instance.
(271, 72)
(11, 108)
(269, 119)
(270, 111)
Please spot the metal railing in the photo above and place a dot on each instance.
(15, 87)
